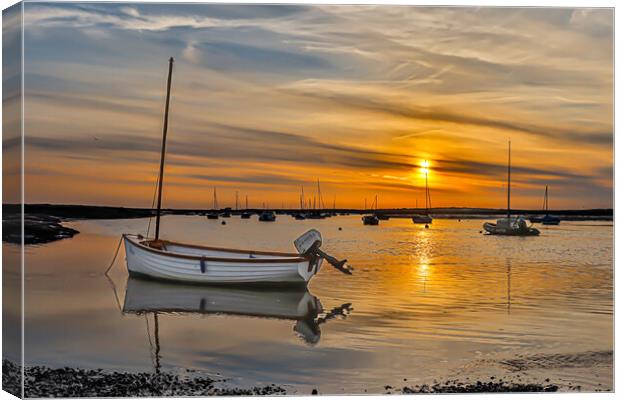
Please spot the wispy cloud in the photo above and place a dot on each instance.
(268, 96)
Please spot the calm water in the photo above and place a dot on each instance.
(425, 304)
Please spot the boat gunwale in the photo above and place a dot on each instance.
(291, 256)
(180, 311)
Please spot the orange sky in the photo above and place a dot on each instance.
(266, 99)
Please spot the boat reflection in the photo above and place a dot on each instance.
(144, 296)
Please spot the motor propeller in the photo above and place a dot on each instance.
(309, 244)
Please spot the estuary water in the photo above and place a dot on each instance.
(423, 304)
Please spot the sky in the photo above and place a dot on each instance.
(269, 98)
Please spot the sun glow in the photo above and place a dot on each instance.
(425, 167)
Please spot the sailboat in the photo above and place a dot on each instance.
(371, 219)
(191, 263)
(380, 215)
(246, 214)
(547, 219)
(213, 214)
(316, 212)
(300, 215)
(510, 226)
(425, 218)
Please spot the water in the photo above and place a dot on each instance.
(444, 302)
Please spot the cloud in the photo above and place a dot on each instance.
(436, 114)
(357, 92)
(192, 53)
(131, 11)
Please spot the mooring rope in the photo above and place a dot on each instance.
(118, 247)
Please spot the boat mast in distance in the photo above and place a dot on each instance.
(163, 149)
(508, 207)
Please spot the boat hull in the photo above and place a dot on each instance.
(200, 265)
(550, 220)
(422, 219)
(370, 220)
(493, 229)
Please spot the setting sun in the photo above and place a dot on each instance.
(425, 167)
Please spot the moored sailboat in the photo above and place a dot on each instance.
(267, 216)
(170, 260)
(214, 214)
(549, 219)
(426, 217)
(371, 219)
(510, 226)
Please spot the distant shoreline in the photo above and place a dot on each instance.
(69, 211)
(43, 223)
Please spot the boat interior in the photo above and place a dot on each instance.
(204, 251)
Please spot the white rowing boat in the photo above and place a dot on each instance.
(188, 263)
(163, 259)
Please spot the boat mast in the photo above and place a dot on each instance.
(318, 185)
(427, 196)
(246, 201)
(546, 206)
(301, 198)
(163, 149)
(508, 208)
(237, 200)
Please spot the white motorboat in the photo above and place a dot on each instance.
(510, 226)
(189, 263)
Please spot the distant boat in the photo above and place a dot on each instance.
(267, 216)
(381, 216)
(246, 215)
(214, 214)
(169, 260)
(549, 219)
(510, 226)
(545, 219)
(370, 220)
(299, 216)
(535, 218)
(315, 214)
(426, 217)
